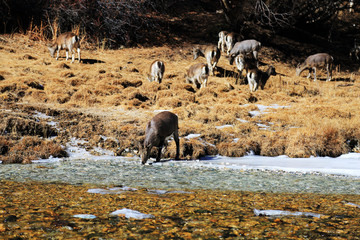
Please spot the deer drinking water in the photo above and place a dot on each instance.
(157, 69)
(158, 129)
(198, 75)
(319, 60)
(68, 41)
(245, 47)
(211, 54)
(257, 77)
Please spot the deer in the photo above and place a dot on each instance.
(257, 77)
(319, 60)
(161, 126)
(68, 41)
(157, 69)
(221, 42)
(230, 39)
(211, 54)
(245, 47)
(244, 62)
(198, 75)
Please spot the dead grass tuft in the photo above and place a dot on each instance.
(36, 148)
(18, 126)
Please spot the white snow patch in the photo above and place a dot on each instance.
(192, 135)
(224, 126)
(85, 216)
(347, 164)
(41, 115)
(263, 109)
(271, 213)
(242, 120)
(128, 213)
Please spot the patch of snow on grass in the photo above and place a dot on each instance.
(192, 135)
(224, 126)
(128, 213)
(263, 109)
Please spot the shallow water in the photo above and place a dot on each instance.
(120, 171)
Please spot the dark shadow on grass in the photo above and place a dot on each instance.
(91, 61)
(222, 72)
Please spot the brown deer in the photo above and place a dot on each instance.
(161, 126)
(230, 40)
(221, 42)
(211, 54)
(319, 60)
(198, 75)
(257, 77)
(68, 41)
(245, 47)
(157, 69)
(244, 62)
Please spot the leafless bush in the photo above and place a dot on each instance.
(280, 14)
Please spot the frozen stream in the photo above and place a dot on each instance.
(249, 173)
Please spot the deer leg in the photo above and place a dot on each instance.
(57, 54)
(329, 73)
(78, 51)
(176, 138)
(204, 83)
(314, 69)
(309, 75)
(213, 67)
(158, 158)
(72, 55)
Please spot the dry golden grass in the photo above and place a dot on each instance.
(108, 94)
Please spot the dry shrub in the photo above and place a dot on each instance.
(35, 148)
(300, 143)
(332, 144)
(192, 148)
(17, 126)
(273, 144)
(231, 149)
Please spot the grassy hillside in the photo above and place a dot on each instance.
(107, 101)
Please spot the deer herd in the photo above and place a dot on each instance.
(245, 55)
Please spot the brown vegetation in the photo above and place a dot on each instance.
(112, 98)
